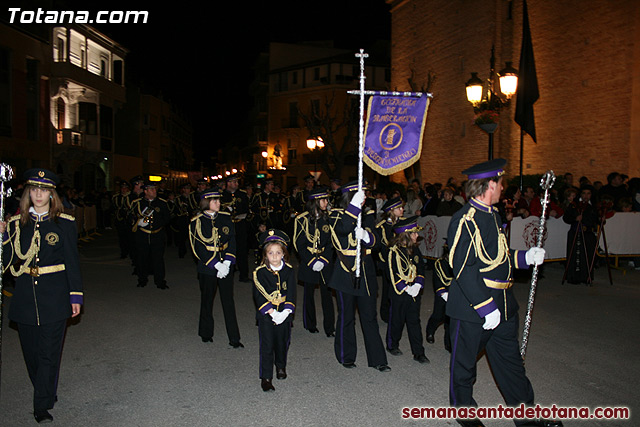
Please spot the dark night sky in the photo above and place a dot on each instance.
(200, 55)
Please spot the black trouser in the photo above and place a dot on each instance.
(437, 317)
(209, 284)
(274, 344)
(405, 309)
(503, 353)
(345, 344)
(42, 349)
(309, 307)
(150, 249)
(384, 295)
(124, 238)
(242, 250)
(182, 235)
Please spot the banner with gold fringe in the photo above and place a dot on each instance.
(393, 133)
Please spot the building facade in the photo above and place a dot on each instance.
(587, 55)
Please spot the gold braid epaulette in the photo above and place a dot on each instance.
(407, 271)
(67, 216)
(446, 280)
(27, 257)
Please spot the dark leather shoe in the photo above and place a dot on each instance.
(142, 284)
(430, 338)
(543, 423)
(383, 368)
(266, 385)
(236, 344)
(207, 339)
(349, 365)
(281, 373)
(43, 416)
(447, 347)
(394, 351)
(421, 358)
(470, 423)
(331, 334)
(314, 330)
(163, 285)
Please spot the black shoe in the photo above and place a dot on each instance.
(142, 284)
(281, 373)
(543, 423)
(349, 365)
(43, 416)
(207, 339)
(163, 285)
(313, 330)
(331, 334)
(420, 358)
(266, 385)
(470, 423)
(447, 347)
(394, 351)
(430, 339)
(382, 368)
(236, 344)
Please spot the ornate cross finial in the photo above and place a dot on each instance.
(362, 55)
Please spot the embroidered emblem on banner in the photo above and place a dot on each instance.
(394, 130)
(52, 238)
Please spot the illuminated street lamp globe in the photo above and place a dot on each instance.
(508, 80)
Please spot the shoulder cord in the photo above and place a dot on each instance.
(407, 271)
(27, 257)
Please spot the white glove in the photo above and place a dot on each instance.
(317, 266)
(358, 199)
(223, 269)
(492, 320)
(142, 223)
(362, 234)
(413, 290)
(280, 316)
(534, 256)
(444, 296)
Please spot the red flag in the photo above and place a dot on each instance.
(527, 80)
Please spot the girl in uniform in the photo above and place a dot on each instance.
(274, 294)
(41, 251)
(407, 280)
(392, 210)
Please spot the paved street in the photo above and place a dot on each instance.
(134, 358)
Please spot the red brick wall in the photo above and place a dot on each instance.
(585, 61)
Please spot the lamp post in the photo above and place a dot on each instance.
(314, 146)
(487, 104)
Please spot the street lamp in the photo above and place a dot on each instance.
(314, 146)
(487, 104)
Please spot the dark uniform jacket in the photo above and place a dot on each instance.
(274, 289)
(385, 231)
(47, 268)
(236, 203)
(121, 206)
(312, 241)
(482, 265)
(404, 268)
(213, 240)
(342, 224)
(267, 209)
(156, 211)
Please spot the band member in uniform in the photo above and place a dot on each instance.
(290, 210)
(183, 215)
(392, 210)
(354, 292)
(303, 196)
(236, 202)
(121, 206)
(213, 241)
(406, 270)
(136, 192)
(334, 186)
(481, 304)
(40, 248)
(312, 241)
(266, 207)
(196, 196)
(441, 280)
(274, 294)
(150, 215)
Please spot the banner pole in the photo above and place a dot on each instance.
(362, 56)
(6, 174)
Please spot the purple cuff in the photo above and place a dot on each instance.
(266, 307)
(400, 285)
(487, 308)
(420, 281)
(212, 264)
(442, 290)
(521, 259)
(231, 258)
(353, 210)
(290, 306)
(76, 299)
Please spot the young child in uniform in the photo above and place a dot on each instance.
(407, 280)
(274, 293)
